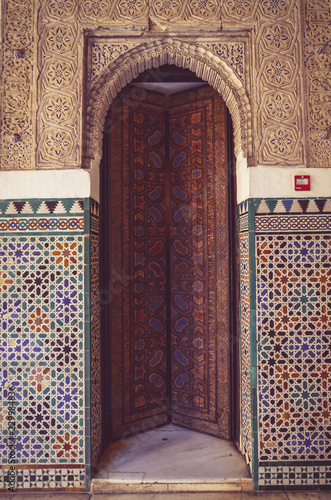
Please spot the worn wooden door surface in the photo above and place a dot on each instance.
(169, 262)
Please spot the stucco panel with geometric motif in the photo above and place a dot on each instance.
(44, 44)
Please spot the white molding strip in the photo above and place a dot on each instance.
(26, 184)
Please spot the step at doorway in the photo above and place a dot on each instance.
(171, 458)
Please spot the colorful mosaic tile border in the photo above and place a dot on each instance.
(246, 428)
(41, 207)
(294, 476)
(59, 478)
(295, 223)
(43, 286)
(293, 287)
(243, 223)
(243, 208)
(292, 206)
(36, 216)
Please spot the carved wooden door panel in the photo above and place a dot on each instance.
(199, 262)
(138, 256)
(169, 262)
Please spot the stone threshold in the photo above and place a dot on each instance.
(111, 486)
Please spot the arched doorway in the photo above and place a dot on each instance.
(167, 188)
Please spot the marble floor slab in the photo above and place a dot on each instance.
(173, 455)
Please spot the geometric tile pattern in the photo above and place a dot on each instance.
(42, 224)
(246, 428)
(292, 206)
(294, 475)
(243, 208)
(293, 288)
(42, 356)
(60, 478)
(294, 333)
(42, 215)
(105, 53)
(293, 224)
(42, 207)
(243, 223)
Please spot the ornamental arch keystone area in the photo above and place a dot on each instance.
(203, 63)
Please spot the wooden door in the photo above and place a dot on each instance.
(169, 262)
(199, 262)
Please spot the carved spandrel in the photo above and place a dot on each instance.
(231, 52)
(105, 53)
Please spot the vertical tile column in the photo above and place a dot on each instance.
(42, 349)
(293, 283)
(248, 437)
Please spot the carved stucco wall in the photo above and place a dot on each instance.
(318, 65)
(17, 56)
(45, 65)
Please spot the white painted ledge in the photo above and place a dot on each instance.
(278, 182)
(252, 182)
(44, 184)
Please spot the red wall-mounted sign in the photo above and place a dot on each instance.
(302, 182)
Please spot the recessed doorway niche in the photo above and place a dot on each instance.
(168, 255)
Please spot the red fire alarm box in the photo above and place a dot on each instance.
(302, 182)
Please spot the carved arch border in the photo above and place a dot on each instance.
(205, 64)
